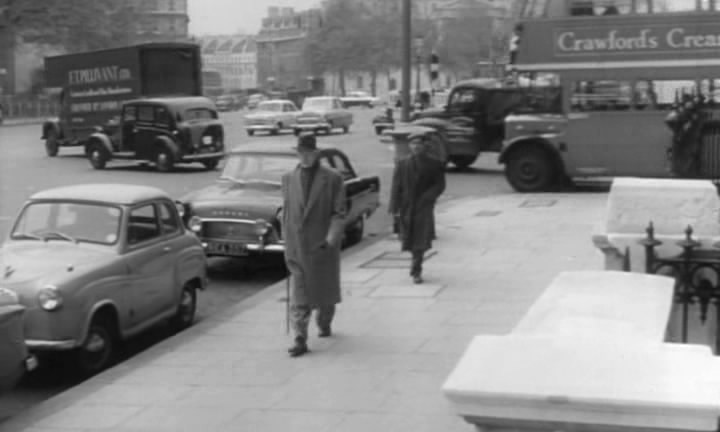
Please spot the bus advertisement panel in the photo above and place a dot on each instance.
(620, 76)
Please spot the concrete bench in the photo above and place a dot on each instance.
(624, 304)
(590, 355)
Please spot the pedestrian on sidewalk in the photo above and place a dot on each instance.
(312, 225)
(418, 182)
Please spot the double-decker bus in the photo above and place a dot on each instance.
(620, 65)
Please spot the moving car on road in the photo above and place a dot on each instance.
(228, 102)
(96, 264)
(240, 214)
(162, 131)
(272, 116)
(323, 114)
(14, 358)
(360, 98)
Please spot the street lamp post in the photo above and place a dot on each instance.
(407, 60)
(418, 42)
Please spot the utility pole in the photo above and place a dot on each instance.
(407, 59)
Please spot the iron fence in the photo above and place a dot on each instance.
(697, 276)
(14, 107)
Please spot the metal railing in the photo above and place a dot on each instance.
(19, 108)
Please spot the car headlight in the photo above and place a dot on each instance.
(50, 298)
(195, 224)
(261, 227)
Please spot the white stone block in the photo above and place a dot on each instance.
(515, 379)
(581, 303)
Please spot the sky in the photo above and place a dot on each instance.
(217, 17)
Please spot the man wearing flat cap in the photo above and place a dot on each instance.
(312, 225)
(418, 181)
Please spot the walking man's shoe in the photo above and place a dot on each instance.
(417, 279)
(299, 348)
(325, 332)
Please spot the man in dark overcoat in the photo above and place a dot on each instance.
(312, 226)
(418, 181)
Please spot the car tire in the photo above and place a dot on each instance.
(211, 164)
(530, 169)
(296, 132)
(98, 155)
(462, 161)
(379, 130)
(164, 159)
(52, 146)
(277, 129)
(186, 310)
(251, 133)
(354, 234)
(346, 129)
(99, 348)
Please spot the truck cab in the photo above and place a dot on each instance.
(472, 121)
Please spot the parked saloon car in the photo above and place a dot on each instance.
(96, 264)
(165, 131)
(323, 114)
(359, 98)
(240, 214)
(15, 360)
(272, 116)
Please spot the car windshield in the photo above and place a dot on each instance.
(270, 106)
(258, 168)
(68, 221)
(312, 104)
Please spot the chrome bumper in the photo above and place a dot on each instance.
(262, 127)
(312, 126)
(257, 247)
(203, 156)
(51, 345)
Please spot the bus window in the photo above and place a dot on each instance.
(601, 96)
(659, 94)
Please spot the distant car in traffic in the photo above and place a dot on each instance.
(360, 98)
(272, 116)
(323, 114)
(164, 131)
(240, 215)
(255, 99)
(95, 264)
(227, 102)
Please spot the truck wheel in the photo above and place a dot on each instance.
(98, 350)
(463, 161)
(164, 159)
(98, 155)
(529, 169)
(51, 143)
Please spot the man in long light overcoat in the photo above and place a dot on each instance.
(312, 225)
(418, 181)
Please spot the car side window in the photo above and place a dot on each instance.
(142, 225)
(463, 100)
(162, 116)
(289, 108)
(168, 219)
(325, 161)
(130, 113)
(146, 114)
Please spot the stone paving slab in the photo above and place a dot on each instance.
(394, 343)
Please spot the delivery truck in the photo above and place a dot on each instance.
(93, 85)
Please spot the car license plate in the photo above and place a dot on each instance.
(207, 140)
(229, 249)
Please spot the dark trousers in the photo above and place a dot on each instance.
(300, 318)
(417, 262)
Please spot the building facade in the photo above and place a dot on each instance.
(234, 57)
(281, 44)
(162, 20)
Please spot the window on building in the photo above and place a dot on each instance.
(661, 94)
(360, 81)
(171, 5)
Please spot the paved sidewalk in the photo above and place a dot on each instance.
(394, 342)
